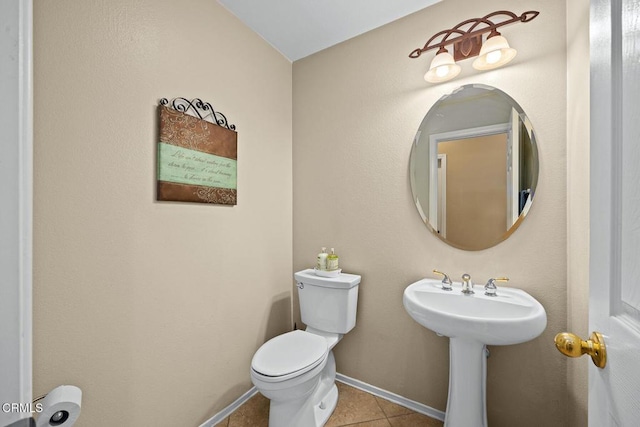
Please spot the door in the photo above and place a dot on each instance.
(614, 300)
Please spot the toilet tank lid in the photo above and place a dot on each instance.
(343, 280)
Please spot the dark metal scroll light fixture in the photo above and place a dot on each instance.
(466, 38)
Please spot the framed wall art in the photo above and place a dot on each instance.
(197, 154)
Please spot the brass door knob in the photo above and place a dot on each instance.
(573, 346)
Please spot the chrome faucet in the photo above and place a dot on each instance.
(467, 284)
(490, 288)
(446, 281)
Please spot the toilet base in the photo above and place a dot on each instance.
(311, 410)
(323, 410)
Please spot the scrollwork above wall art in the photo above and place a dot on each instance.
(200, 109)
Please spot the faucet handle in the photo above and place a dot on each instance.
(446, 280)
(490, 288)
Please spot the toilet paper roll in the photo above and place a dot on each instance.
(61, 407)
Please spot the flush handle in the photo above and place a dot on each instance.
(573, 346)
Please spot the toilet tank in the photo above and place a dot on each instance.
(328, 303)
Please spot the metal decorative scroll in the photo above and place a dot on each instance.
(200, 109)
(197, 153)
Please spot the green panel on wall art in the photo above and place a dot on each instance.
(184, 166)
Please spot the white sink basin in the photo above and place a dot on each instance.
(511, 317)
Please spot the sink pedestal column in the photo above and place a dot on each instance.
(466, 404)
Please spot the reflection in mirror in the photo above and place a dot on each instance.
(474, 167)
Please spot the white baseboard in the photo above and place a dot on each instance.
(217, 418)
(392, 397)
(387, 395)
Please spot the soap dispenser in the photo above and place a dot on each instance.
(332, 261)
(321, 264)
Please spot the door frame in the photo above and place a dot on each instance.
(442, 196)
(17, 193)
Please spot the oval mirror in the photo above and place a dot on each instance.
(474, 167)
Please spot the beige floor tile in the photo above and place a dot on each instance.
(391, 409)
(254, 413)
(354, 406)
(376, 423)
(414, 420)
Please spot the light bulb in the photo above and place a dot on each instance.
(493, 57)
(494, 53)
(442, 70)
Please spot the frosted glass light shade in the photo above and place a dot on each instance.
(495, 52)
(443, 68)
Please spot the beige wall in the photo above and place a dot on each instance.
(154, 309)
(578, 200)
(357, 107)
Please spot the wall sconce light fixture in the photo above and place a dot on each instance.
(466, 41)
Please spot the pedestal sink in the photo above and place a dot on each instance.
(472, 322)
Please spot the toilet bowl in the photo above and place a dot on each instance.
(297, 370)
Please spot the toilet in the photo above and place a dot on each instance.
(297, 370)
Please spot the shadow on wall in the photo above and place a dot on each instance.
(279, 319)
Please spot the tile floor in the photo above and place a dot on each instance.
(355, 408)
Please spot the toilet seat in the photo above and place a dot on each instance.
(289, 355)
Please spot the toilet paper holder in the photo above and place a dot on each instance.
(60, 407)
